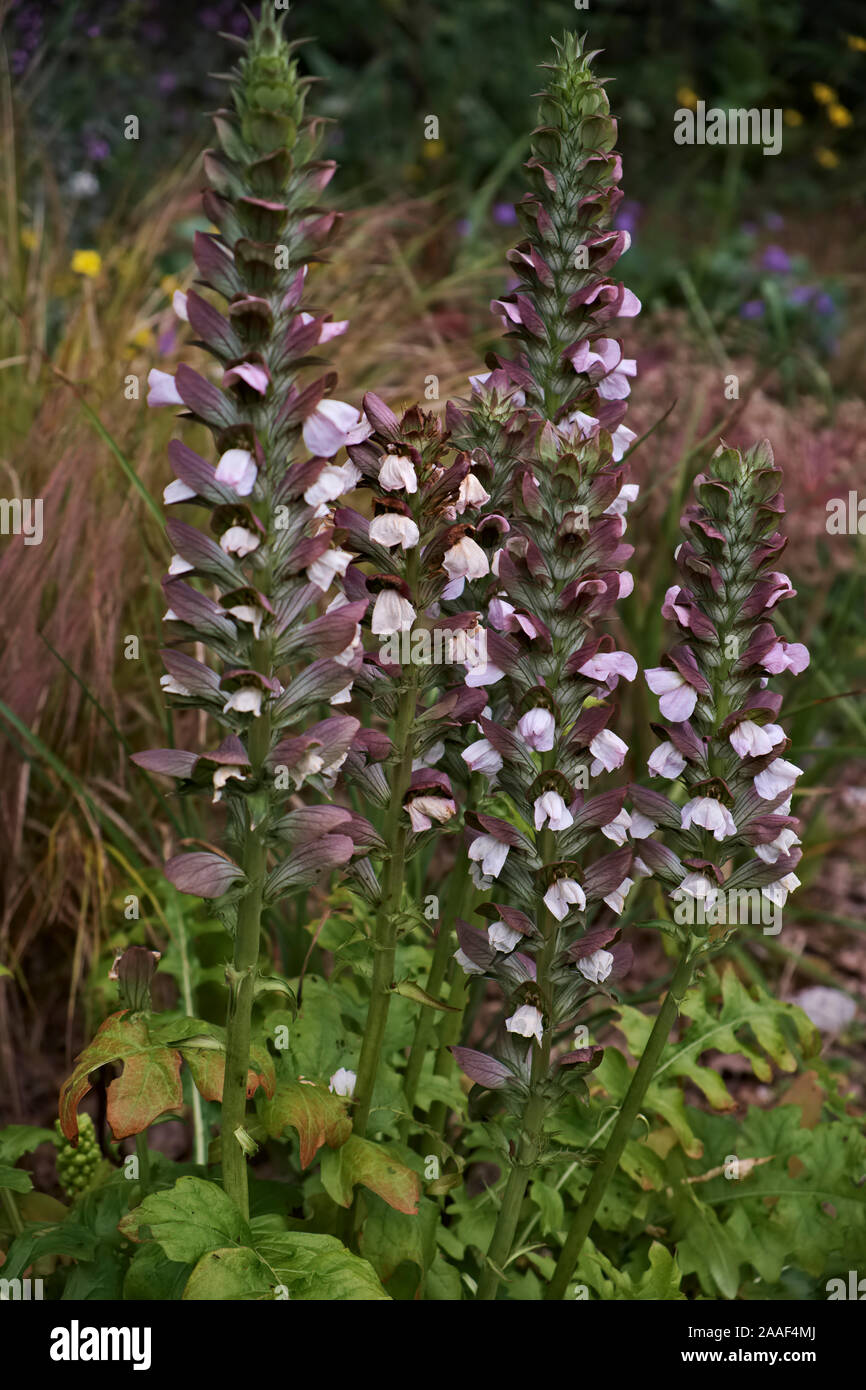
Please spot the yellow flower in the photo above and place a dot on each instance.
(686, 97)
(826, 158)
(143, 337)
(168, 284)
(839, 114)
(87, 263)
(793, 117)
(28, 238)
(821, 92)
(434, 149)
(855, 42)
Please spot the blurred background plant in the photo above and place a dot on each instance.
(749, 268)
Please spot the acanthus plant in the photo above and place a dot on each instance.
(731, 844)
(271, 557)
(409, 618)
(546, 428)
(414, 548)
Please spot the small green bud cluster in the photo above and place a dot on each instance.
(77, 1165)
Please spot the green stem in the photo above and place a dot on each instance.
(425, 1027)
(242, 981)
(143, 1156)
(10, 1206)
(512, 1201)
(533, 1116)
(585, 1214)
(385, 940)
(449, 1034)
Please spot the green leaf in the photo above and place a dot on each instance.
(148, 1086)
(318, 1116)
(749, 1022)
(69, 1239)
(360, 1161)
(153, 1278)
(319, 1268)
(442, 1283)
(97, 1280)
(318, 1037)
(409, 990)
(16, 1140)
(191, 1219)
(661, 1281)
(389, 1237)
(235, 1274)
(550, 1206)
(15, 1179)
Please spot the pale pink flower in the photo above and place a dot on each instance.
(237, 470)
(537, 728)
(607, 667)
(247, 700)
(608, 751)
(618, 828)
(333, 481)
(342, 1083)
(779, 777)
(709, 813)
(398, 471)
(502, 937)
(527, 1022)
(616, 899)
(666, 761)
(481, 756)
(465, 560)
(677, 699)
(393, 528)
(391, 613)
(749, 740)
(424, 810)
(239, 540)
(471, 494)
(332, 426)
(321, 571)
(550, 807)
(596, 967)
(162, 389)
(562, 895)
(785, 656)
(490, 853)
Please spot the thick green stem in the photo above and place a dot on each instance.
(385, 942)
(512, 1201)
(531, 1139)
(444, 949)
(585, 1214)
(242, 982)
(143, 1155)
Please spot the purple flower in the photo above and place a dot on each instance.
(752, 309)
(802, 294)
(776, 260)
(463, 227)
(773, 221)
(96, 148)
(504, 214)
(824, 304)
(628, 215)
